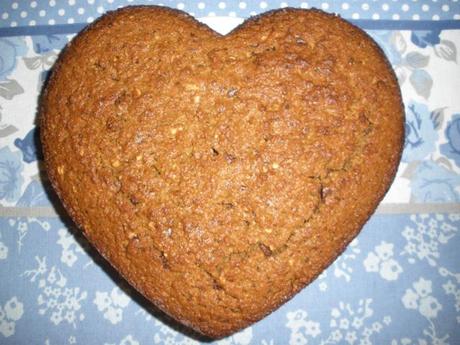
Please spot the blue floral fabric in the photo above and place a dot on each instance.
(434, 183)
(397, 283)
(30, 146)
(452, 148)
(420, 133)
(11, 48)
(10, 174)
(35, 195)
(423, 38)
(45, 44)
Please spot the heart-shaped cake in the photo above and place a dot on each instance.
(221, 174)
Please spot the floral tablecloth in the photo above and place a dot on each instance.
(397, 283)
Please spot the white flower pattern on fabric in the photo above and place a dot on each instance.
(3, 251)
(22, 225)
(71, 340)
(321, 279)
(382, 262)
(342, 269)
(112, 304)
(424, 242)
(419, 298)
(128, 340)
(452, 287)
(11, 312)
(301, 327)
(430, 336)
(62, 302)
(426, 236)
(69, 247)
(342, 266)
(348, 324)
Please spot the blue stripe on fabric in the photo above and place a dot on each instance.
(42, 30)
(366, 24)
(370, 24)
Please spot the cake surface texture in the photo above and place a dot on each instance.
(221, 174)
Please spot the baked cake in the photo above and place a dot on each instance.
(221, 174)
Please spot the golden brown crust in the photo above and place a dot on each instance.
(221, 174)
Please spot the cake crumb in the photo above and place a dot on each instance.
(191, 87)
(232, 92)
